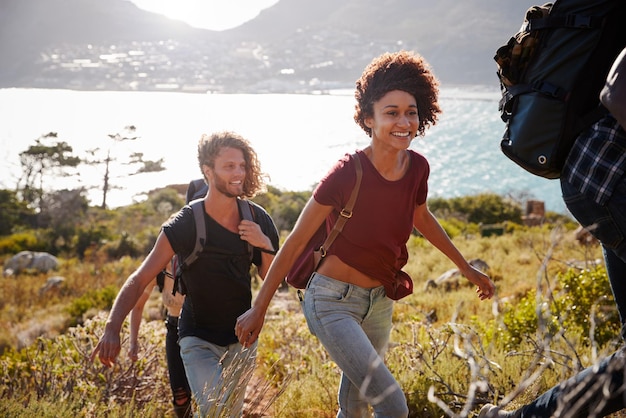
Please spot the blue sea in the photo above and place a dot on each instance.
(297, 136)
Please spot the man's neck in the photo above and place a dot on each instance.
(223, 209)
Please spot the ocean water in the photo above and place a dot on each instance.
(298, 137)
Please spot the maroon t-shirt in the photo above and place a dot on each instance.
(374, 239)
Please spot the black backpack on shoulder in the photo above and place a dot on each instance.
(551, 73)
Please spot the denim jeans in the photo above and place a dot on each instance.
(217, 375)
(608, 224)
(354, 325)
(597, 391)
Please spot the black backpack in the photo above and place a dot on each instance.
(196, 189)
(551, 73)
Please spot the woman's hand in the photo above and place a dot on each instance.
(486, 288)
(133, 351)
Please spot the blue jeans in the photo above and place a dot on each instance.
(354, 325)
(608, 224)
(217, 375)
(596, 391)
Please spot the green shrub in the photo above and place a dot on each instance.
(127, 245)
(485, 208)
(97, 299)
(90, 237)
(166, 201)
(584, 302)
(22, 241)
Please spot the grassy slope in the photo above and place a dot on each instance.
(287, 351)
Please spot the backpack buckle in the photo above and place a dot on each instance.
(549, 89)
(579, 21)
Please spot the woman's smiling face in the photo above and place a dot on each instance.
(395, 119)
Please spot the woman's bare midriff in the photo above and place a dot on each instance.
(333, 267)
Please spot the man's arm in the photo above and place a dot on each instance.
(108, 347)
(613, 95)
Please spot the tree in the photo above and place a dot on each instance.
(136, 158)
(39, 162)
(61, 213)
(14, 212)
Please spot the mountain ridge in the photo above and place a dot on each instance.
(292, 46)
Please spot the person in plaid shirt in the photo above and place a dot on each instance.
(594, 191)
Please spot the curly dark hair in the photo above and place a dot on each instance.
(403, 70)
(210, 146)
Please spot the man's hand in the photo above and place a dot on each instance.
(108, 349)
(249, 326)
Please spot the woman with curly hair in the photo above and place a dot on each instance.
(348, 301)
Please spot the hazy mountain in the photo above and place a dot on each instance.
(459, 38)
(293, 45)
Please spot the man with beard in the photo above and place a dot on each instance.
(218, 283)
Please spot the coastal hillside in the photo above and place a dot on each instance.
(295, 45)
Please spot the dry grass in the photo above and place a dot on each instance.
(294, 376)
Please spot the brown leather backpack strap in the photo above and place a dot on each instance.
(346, 212)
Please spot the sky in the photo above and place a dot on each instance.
(208, 14)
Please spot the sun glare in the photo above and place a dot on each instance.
(215, 15)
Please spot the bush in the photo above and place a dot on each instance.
(23, 241)
(90, 237)
(483, 208)
(166, 201)
(586, 303)
(127, 245)
(583, 307)
(95, 300)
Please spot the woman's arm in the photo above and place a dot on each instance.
(250, 323)
(135, 321)
(429, 227)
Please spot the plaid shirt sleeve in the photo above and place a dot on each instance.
(597, 161)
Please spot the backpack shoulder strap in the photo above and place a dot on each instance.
(198, 214)
(246, 212)
(245, 209)
(178, 264)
